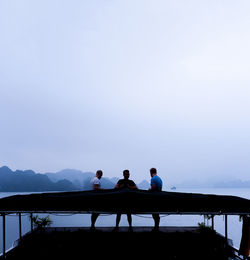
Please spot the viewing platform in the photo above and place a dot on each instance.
(142, 243)
(169, 242)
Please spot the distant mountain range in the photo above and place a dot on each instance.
(72, 180)
(65, 180)
(220, 184)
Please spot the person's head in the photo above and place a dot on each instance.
(99, 174)
(126, 174)
(153, 172)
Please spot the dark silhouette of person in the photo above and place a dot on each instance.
(125, 183)
(156, 185)
(96, 185)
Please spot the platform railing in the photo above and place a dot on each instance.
(4, 214)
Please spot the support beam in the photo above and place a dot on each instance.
(20, 225)
(31, 222)
(212, 222)
(4, 236)
(226, 233)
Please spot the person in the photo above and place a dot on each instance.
(125, 183)
(96, 185)
(156, 185)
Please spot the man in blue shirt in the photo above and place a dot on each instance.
(156, 185)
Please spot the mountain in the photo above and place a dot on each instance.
(65, 180)
(144, 185)
(80, 179)
(30, 181)
(234, 183)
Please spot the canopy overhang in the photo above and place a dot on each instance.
(124, 201)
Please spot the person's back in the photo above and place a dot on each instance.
(125, 183)
(156, 183)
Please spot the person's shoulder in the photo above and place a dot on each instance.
(156, 178)
(95, 180)
(159, 179)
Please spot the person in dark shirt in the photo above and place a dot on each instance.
(125, 183)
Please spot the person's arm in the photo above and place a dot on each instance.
(120, 184)
(132, 185)
(153, 187)
(97, 187)
(135, 187)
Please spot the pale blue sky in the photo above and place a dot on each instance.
(126, 84)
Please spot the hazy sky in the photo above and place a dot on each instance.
(134, 84)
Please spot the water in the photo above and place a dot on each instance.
(81, 220)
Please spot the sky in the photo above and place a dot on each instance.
(135, 84)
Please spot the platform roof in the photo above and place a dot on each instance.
(125, 200)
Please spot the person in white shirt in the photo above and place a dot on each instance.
(95, 182)
(96, 185)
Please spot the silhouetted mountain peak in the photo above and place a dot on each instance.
(28, 180)
(144, 185)
(69, 171)
(26, 172)
(5, 169)
(75, 176)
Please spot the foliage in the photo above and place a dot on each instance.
(205, 229)
(41, 223)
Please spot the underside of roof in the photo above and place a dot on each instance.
(126, 200)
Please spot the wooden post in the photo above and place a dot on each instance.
(31, 222)
(20, 225)
(226, 236)
(4, 235)
(212, 222)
